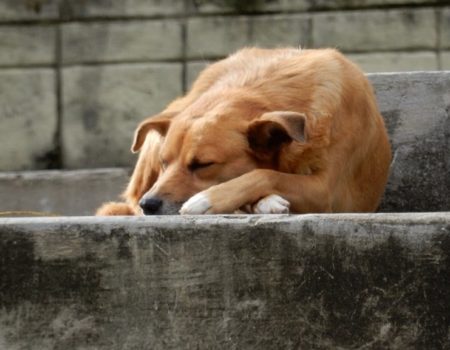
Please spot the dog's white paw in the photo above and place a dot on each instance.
(197, 204)
(272, 204)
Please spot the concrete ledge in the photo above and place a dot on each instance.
(226, 282)
(77, 192)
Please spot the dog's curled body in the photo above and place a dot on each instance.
(299, 124)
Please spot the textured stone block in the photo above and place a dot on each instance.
(445, 28)
(28, 118)
(102, 106)
(396, 61)
(23, 45)
(19, 10)
(76, 192)
(121, 41)
(212, 37)
(326, 4)
(445, 60)
(416, 109)
(226, 282)
(287, 6)
(224, 6)
(120, 8)
(280, 31)
(216, 36)
(376, 30)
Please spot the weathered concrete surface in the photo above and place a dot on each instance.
(359, 30)
(28, 119)
(120, 8)
(445, 20)
(416, 108)
(349, 31)
(118, 41)
(289, 6)
(233, 282)
(77, 192)
(102, 107)
(22, 45)
(13, 10)
(396, 62)
(445, 60)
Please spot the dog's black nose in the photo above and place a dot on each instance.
(150, 205)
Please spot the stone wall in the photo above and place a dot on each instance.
(77, 76)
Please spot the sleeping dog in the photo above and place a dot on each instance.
(263, 131)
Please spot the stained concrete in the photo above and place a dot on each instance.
(416, 109)
(375, 281)
(77, 192)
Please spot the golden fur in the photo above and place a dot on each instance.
(301, 124)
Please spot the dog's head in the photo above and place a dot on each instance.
(200, 149)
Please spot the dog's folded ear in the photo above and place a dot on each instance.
(273, 129)
(159, 123)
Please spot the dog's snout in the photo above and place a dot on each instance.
(150, 205)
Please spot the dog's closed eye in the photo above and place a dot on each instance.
(196, 164)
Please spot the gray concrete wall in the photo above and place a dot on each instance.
(416, 107)
(77, 76)
(245, 282)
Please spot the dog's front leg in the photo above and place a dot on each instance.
(305, 193)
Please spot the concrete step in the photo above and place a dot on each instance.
(416, 107)
(54, 192)
(367, 281)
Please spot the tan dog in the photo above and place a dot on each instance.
(267, 131)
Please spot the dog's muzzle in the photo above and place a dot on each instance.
(157, 206)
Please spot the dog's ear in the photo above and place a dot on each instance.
(159, 123)
(273, 129)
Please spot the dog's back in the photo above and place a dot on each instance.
(334, 94)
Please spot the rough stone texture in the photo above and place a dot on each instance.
(396, 62)
(216, 36)
(102, 105)
(370, 3)
(416, 107)
(261, 282)
(120, 8)
(360, 30)
(28, 119)
(445, 28)
(276, 31)
(19, 10)
(78, 192)
(121, 41)
(225, 6)
(445, 60)
(350, 31)
(220, 36)
(24, 45)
